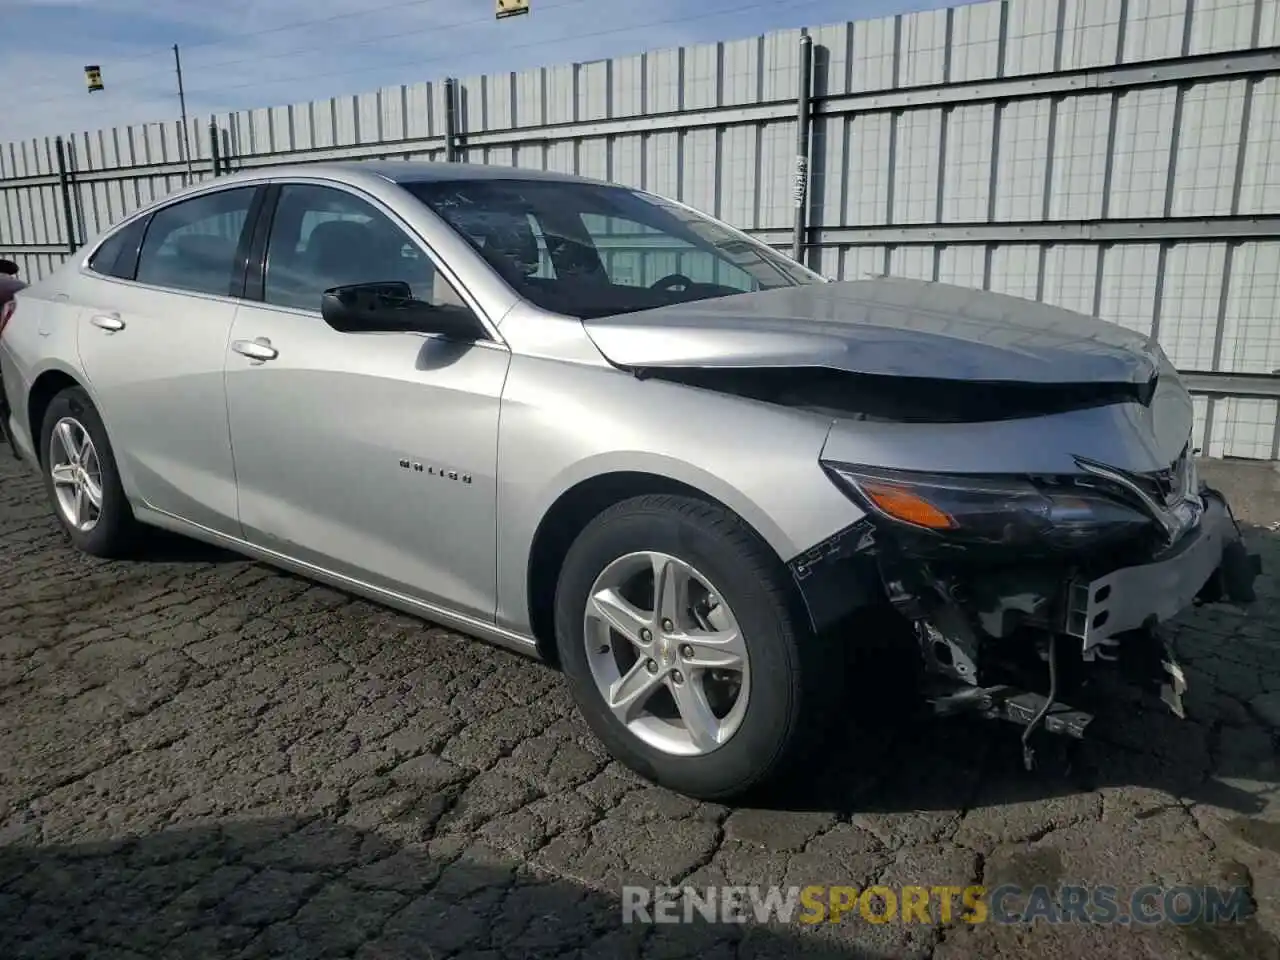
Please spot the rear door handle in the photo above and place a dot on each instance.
(109, 322)
(258, 349)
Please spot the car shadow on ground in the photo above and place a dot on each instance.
(316, 888)
(162, 546)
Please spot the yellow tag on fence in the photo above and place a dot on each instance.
(512, 8)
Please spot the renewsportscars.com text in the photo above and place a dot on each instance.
(1006, 904)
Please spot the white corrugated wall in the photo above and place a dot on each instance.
(1119, 157)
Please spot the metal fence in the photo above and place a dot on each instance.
(1120, 157)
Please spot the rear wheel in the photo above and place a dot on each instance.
(81, 478)
(676, 632)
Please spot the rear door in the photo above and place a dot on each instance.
(153, 342)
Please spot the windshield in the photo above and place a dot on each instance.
(593, 250)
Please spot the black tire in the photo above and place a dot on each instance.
(116, 533)
(791, 688)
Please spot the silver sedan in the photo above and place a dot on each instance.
(594, 425)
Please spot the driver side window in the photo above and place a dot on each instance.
(322, 237)
(635, 255)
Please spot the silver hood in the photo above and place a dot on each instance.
(882, 327)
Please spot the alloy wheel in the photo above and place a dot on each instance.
(76, 473)
(667, 653)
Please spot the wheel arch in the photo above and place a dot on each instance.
(46, 386)
(568, 516)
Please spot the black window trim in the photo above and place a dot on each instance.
(256, 269)
(260, 208)
(255, 263)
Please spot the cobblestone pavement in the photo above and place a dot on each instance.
(205, 757)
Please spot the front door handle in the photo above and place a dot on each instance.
(258, 349)
(109, 322)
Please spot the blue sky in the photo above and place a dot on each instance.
(250, 53)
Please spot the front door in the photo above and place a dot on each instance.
(371, 455)
(154, 350)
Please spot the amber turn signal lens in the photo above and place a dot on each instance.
(902, 504)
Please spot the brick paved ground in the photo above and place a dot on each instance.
(204, 757)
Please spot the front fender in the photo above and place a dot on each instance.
(565, 423)
(668, 468)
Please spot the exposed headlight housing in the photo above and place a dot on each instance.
(1034, 516)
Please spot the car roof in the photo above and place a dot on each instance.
(418, 171)
(355, 172)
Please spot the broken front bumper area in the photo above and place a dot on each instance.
(1114, 617)
(1209, 563)
(991, 631)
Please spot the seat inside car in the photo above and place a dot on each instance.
(512, 244)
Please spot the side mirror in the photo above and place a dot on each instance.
(390, 308)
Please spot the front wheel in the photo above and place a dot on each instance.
(683, 649)
(81, 478)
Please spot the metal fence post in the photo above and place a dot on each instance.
(450, 120)
(215, 151)
(804, 96)
(64, 187)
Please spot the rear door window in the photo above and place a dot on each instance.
(192, 245)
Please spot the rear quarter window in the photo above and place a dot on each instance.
(117, 256)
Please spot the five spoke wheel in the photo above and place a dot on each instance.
(76, 473)
(667, 653)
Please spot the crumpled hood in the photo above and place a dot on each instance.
(882, 327)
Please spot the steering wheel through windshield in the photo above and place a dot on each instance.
(672, 281)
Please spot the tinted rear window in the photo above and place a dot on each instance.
(118, 254)
(192, 245)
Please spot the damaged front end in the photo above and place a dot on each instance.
(1032, 507)
(1016, 582)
